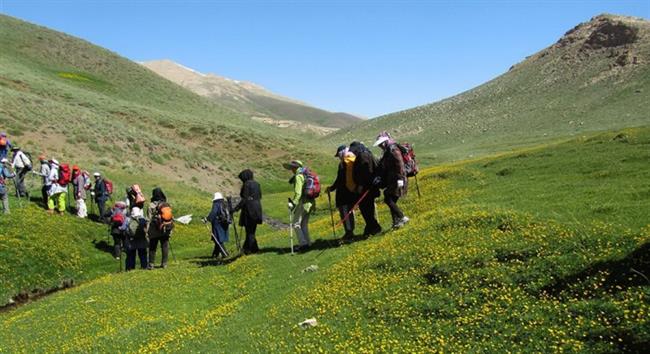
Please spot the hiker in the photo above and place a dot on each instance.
(119, 227)
(250, 205)
(5, 146)
(300, 206)
(5, 174)
(79, 191)
(391, 177)
(134, 197)
(220, 220)
(158, 233)
(58, 188)
(22, 165)
(365, 167)
(101, 196)
(345, 188)
(136, 239)
(45, 174)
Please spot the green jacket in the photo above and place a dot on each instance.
(298, 197)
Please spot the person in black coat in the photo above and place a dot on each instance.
(365, 170)
(251, 209)
(345, 189)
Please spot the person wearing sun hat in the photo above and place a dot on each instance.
(5, 174)
(57, 192)
(22, 165)
(300, 206)
(392, 177)
(44, 172)
(220, 220)
(345, 188)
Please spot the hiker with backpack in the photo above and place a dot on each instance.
(306, 187)
(119, 225)
(161, 224)
(59, 178)
(44, 173)
(22, 165)
(250, 205)
(220, 220)
(345, 188)
(5, 146)
(365, 168)
(136, 241)
(5, 174)
(79, 183)
(101, 195)
(392, 177)
(135, 197)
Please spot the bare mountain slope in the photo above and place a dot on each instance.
(252, 99)
(596, 77)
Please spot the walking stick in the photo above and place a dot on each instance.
(417, 186)
(291, 230)
(347, 215)
(329, 201)
(223, 251)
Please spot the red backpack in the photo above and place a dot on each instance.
(408, 156)
(311, 188)
(65, 175)
(109, 186)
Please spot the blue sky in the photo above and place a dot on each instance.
(363, 57)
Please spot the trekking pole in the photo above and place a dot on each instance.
(417, 186)
(291, 230)
(215, 240)
(329, 201)
(347, 215)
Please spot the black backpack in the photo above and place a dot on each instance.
(223, 216)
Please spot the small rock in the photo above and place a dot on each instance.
(311, 268)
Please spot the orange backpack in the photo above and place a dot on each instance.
(166, 216)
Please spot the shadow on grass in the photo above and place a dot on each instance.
(633, 270)
(103, 246)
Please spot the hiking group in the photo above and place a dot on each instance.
(359, 180)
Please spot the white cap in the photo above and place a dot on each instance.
(136, 212)
(55, 161)
(217, 196)
(4, 160)
(380, 140)
(96, 174)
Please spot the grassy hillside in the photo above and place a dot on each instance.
(83, 104)
(541, 250)
(595, 78)
(250, 99)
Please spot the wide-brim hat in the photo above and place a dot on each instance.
(15, 148)
(217, 196)
(381, 140)
(55, 161)
(97, 174)
(291, 165)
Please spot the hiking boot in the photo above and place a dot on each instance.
(401, 223)
(150, 266)
(50, 211)
(163, 266)
(372, 232)
(348, 235)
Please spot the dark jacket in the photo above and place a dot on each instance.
(365, 168)
(220, 217)
(250, 203)
(391, 167)
(136, 237)
(343, 195)
(100, 190)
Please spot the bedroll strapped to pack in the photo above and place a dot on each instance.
(137, 195)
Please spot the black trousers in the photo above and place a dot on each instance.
(44, 191)
(250, 244)
(101, 207)
(395, 211)
(367, 208)
(164, 246)
(130, 258)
